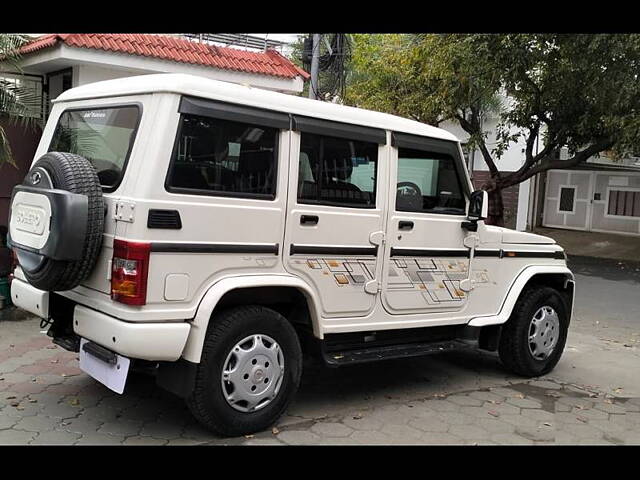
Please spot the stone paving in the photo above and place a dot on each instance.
(460, 398)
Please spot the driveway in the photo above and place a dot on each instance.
(593, 395)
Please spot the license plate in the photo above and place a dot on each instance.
(112, 375)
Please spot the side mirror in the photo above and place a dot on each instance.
(478, 206)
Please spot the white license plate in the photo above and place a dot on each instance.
(113, 376)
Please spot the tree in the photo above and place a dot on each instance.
(576, 91)
(16, 101)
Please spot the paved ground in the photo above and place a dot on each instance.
(592, 397)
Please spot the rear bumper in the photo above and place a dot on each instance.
(146, 341)
(29, 298)
(158, 341)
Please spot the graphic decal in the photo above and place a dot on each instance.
(345, 272)
(437, 279)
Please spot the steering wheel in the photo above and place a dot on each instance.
(409, 196)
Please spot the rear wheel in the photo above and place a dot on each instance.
(249, 371)
(533, 338)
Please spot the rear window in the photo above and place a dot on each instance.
(104, 136)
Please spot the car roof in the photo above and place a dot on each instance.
(196, 86)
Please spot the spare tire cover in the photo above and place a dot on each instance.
(66, 171)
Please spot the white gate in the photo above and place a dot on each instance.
(599, 201)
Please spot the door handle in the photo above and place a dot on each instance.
(405, 225)
(308, 219)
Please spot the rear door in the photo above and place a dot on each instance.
(104, 132)
(425, 259)
(334, 226)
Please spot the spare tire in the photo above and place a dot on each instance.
(71, 228)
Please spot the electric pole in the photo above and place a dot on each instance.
(315, 63)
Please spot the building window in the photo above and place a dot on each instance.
(428, 182)
(567, 198)
(624, 203)
(337, 171)
(225, 158)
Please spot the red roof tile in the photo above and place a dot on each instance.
(175, 49)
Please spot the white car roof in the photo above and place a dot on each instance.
(196, 86)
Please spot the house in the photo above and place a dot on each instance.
(594, 197)
(601, 195)
(54, 63)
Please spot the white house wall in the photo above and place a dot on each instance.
(83, 74)
(510, 161)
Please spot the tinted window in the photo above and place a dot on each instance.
(222, 157)
(337, 171)
(102, 136)
(428, 182)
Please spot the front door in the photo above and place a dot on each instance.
(425, 260)
(335, 214)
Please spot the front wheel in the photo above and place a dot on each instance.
(249, 371)
(533, 338)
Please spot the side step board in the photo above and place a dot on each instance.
(362, 355)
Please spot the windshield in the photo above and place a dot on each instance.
(103, 136)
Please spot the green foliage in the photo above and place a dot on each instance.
(579, 91)
(428, 78)
(15, 100)
(582, 89)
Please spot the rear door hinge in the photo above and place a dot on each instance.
(125, 211)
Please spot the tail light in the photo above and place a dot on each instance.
(129, 271)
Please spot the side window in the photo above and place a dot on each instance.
(226, 158)
(337, 171)
(428, 182)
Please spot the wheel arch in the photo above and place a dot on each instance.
(263, 290)
(559, 277)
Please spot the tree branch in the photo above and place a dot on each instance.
(473, 128)
(543, 166)
(531, 140)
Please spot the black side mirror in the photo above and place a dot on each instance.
(478, 210)
(478, 205)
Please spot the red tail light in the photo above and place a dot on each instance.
(129, 271)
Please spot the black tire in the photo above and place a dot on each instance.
(75, 174)
(207, 402)
(514, 349)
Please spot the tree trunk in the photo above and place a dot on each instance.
(496, 205)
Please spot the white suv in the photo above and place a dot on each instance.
(213, 229)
